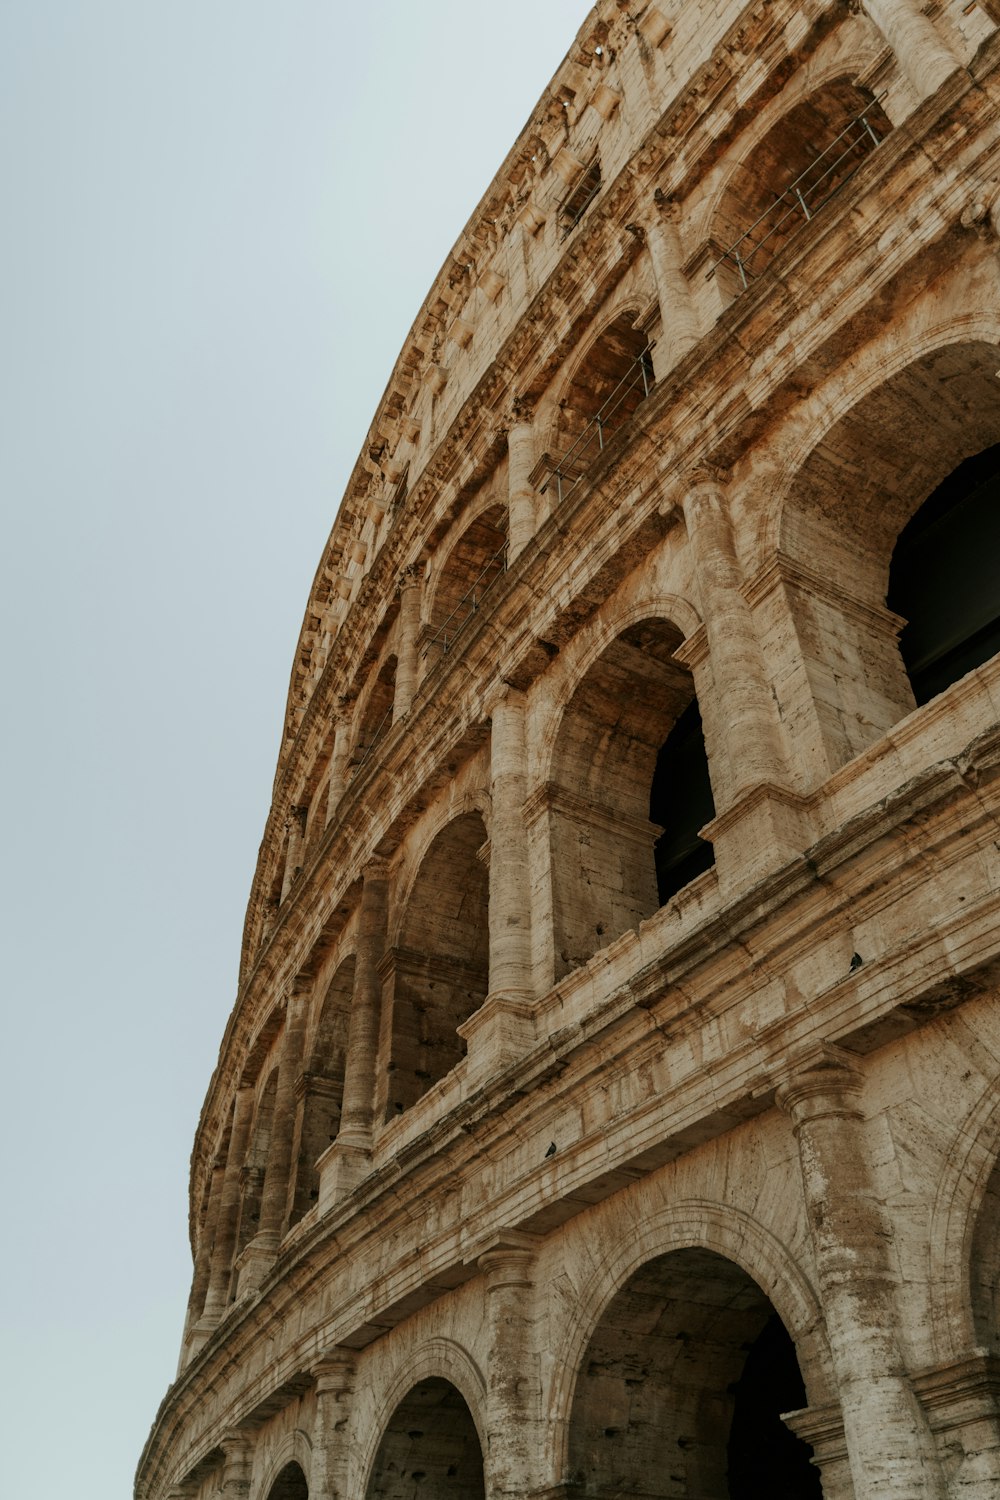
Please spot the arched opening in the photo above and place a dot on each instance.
(630, 790)
(376, 717)
(322, 1088)
(607, 386)
(945, 578)
(430, 1449)
(289, 1485)
(800, 164)
(681, 1390)
(984, 1266)
(252, 1176)
(438, 974)
(846, 683)
(467, 574)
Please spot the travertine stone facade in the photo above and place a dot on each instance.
(611, 1104)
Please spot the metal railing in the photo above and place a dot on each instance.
(571, 468)
(470, 602)
(806, 195)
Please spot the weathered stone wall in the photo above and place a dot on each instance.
(518, 1177)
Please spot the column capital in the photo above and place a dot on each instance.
(500, 695)
(376, 867)
(412, 576)
(825, 1085)
(334, 1371)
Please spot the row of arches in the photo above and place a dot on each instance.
(693, 1366)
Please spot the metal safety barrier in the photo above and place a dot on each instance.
(571, 468)
(806, 195)
(470, 602)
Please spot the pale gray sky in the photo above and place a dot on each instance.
(220, 220)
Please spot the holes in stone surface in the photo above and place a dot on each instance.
(704, 1398)
(430, 1441)
(945, 577)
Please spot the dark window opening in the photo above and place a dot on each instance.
(681, 802)
(289, 1485)
(766, 1459)
(580, 197)
(945, 577)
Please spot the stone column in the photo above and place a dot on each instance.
(408, 640)
(503, 1027)
(678, 317)
(337, 783)
(237, 1464)
(334, 1375)
(920, 51)
(889, 1443)
(203, 1259)
(347, 1159)
(759, 822)
(737, 661)
(521, 497)
(260, 1254)
(224, 1249)
(293, 853)
(513, 1387)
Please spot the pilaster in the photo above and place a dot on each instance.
(889, 1443)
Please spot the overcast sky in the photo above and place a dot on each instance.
(220, 221)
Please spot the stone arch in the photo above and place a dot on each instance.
(809, 119)
(437, 973)
(965, 1215)
(423, 836)
(881, 452)
(610, 378)
(440, 1360)
(322, 1088)
(692, 1225)
(252, 1184)
(287, 1475)
(470, 567)
(628, 790)
(374, 719)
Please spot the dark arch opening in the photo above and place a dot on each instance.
(376, 717)
(802, 162)
(322, 1089)
(945, 577)
(289, 1485)
(608, 385)
(630, 791)
(681, 1390)
(430, 1449)
(468, 572)
(681, 801)
(438, 974)
(984, 1265)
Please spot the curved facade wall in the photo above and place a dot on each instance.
(610, 1104)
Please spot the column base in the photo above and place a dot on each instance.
(764, 830)
(341, 1167)
(498, 1034)
(254, 1264)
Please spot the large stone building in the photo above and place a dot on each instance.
(610, 1106)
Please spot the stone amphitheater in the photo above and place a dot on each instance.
(610, 1105)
